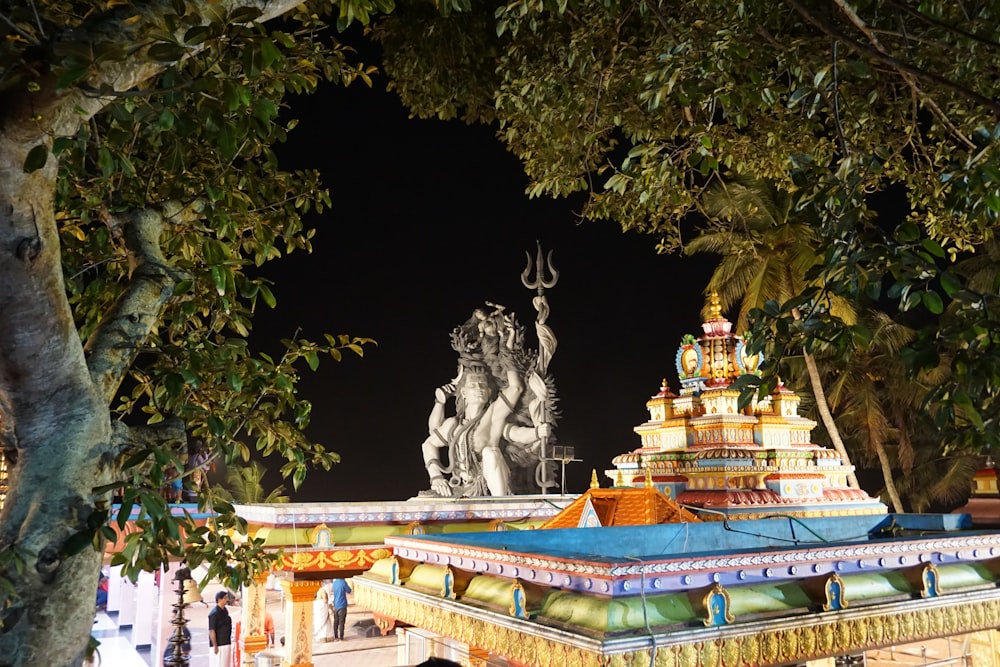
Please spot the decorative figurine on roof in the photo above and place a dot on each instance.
(720, 462)
(504, 399)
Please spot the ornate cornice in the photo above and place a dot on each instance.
(575, 572)
(762, 644)
(331, 560)
(305, 515)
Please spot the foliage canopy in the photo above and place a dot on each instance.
(854, 108)
(139, 197)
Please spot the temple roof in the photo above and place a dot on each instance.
(622, 507)
(757, 592)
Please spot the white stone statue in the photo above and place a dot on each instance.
(492, 428)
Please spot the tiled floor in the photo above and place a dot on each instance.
(116, 648)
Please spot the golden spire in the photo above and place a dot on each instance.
(594, 484)
(619, 479)
(714, 306)
(649, 477)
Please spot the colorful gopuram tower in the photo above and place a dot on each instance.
(701, 450)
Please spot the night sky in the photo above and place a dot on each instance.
(429, 220)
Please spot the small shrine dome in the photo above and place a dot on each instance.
(716, 358)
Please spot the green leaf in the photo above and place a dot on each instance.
(227, 142)
(166, 119)
(36, 158)
(269, 53)
(253, 60)
(105, 161)
(932, 302)
(197, 34)
(265, 111)
(244, 15)
(907, 232)
(125, 509)
(76, 543)
(136, 458)
(219, 279)
(71, 76)
(949, 283)
(216, 427)
(933, 247)
(312, 359)
(166, 52)
(268, 296)
(963, 402)
(62, 144)
(174, 384)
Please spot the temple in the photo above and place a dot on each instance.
(702, 450)
(727, 539)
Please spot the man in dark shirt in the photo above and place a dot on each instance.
(220, 632)
(340, 590)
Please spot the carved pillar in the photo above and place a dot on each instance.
(253, 639)
(984, 648)
(299, 622)
(821, 662)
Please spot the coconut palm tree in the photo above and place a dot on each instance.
(244, 485)
(878, 404)
(767, 245)
(937, 480)
(765, 242)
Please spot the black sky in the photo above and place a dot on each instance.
(429, 220)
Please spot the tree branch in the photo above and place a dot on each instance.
(941, 24)
(169, 432)
(66, 110)
(112, 348)
(887, 59)
(30, 39)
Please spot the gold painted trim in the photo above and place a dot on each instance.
(712, 613)
(757, 647)
(333, 560)
(301, 591)
(254, 643)
(925, 581)
(448, 583)
(834, 578)
(515, 589)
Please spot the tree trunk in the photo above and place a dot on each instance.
(827, 417)
(890, 485)
(56, 427)
(824, 408)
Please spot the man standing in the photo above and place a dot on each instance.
(340, 590)
(220, 632)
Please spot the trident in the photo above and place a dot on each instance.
(546, 348)
(539, 283)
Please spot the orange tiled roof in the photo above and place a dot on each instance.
(623, 506)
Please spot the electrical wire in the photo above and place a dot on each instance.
(645, 614)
